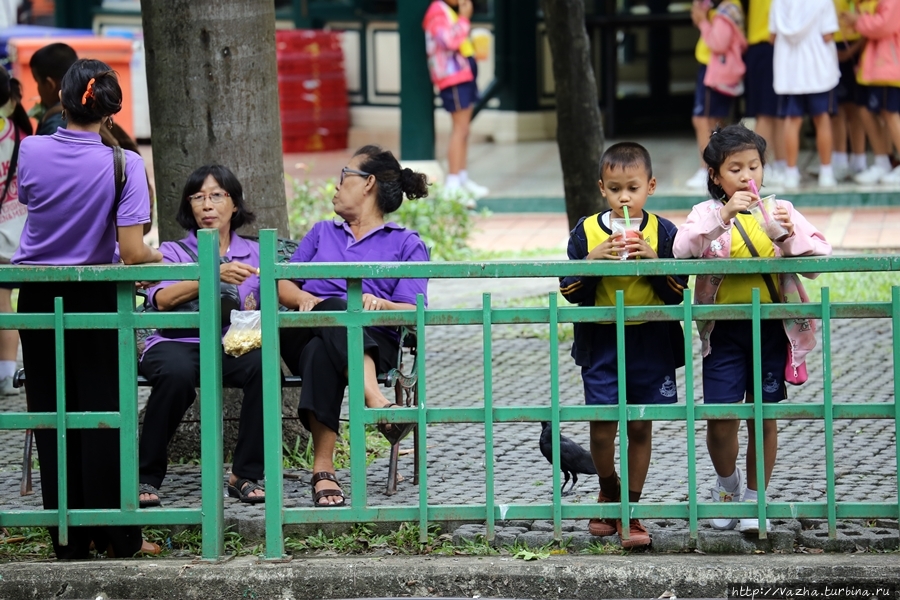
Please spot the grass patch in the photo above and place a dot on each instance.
(300, 456)
(852, 287)
(25, 543)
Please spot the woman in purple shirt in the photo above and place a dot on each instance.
(67, 182)
(372, 185)
(212, 199)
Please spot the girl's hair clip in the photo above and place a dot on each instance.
(89, 92)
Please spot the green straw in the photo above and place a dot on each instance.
(627, 218)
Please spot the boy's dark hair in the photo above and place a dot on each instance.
(724, 142)
(228, 181)
(393, 181)
(11, 88)
(90, 92)
(53, 61)
(625, 154)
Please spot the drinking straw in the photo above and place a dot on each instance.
(627, 218)
(761, 204)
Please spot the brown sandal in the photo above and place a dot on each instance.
(318, 495)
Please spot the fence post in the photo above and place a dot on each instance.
(211, 444)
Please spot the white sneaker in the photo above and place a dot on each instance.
(6, 387)
(790, 181)
(720, 494)
(871, 175)
(752, 525)
(892, 178)
(827, 180)
(698, 180)
(478, 191)
(842, 173)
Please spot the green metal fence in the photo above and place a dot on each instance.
(210, 515)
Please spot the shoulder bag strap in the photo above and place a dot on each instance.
(119, 174)
(767, 277)
(13, 164)
(187, 249)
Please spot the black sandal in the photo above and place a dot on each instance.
(242, 488)
(395, 432)
(326, 493)
(146, 488)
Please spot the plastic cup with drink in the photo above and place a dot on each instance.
(626, 228)
(764, 213)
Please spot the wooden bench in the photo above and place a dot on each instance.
(403, 381)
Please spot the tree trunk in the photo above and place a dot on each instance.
(213, 92)
(579, 130)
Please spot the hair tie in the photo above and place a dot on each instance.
(89, 92)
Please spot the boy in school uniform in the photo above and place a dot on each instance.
(653, 350)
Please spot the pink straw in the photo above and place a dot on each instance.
(762, 206)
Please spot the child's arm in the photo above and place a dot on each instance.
(578, 290)
(885, 21)
(805, 239)
(669, 288)
(449, 35)
(717, 34)
(701, 228)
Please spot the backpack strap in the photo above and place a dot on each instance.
(189, 252)
(119, 174)
(767, 277)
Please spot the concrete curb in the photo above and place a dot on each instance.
(574, 577)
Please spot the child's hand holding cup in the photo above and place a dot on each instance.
(764, 213)
(624, 230)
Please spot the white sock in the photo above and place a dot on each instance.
(858, 162)
(463, 176)
(7, 368)
(825, 170)
(730, 483)
(781, 165)
(882, 160)
(840, 160)
(792, 171)
(452, 182)
(750, 495)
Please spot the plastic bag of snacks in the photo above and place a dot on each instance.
(245, 333)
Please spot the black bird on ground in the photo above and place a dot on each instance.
(573, 458)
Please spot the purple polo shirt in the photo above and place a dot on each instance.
(66, 180)
(239, 250)
(333, 241)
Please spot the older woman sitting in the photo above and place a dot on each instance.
(371, 186)
(212, 199)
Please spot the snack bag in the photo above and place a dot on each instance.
(245, 333)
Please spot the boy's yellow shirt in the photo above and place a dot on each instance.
(638, 291)
(842, 6)
(758, 21)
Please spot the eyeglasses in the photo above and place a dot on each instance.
(348, 171)
(215, 198)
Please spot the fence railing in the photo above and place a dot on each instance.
(210, 515)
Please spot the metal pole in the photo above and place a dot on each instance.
(416, 91)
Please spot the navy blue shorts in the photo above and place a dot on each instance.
(649, 365)
(707, 101)
(800, 105)
(461, 96)
(760, 94)
(881, 97)
(847, 89)
(728, 369)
